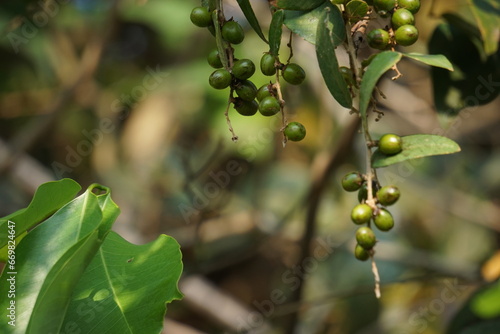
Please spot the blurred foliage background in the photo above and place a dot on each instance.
(117, 92)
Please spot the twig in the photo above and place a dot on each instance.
(234, 138)
(376, 276)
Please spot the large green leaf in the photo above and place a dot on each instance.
(304, 23)
(416, 146)
(275, 31)
(432, 60)
(48, 198)
(247, 10)
(327, 60)
(380, 64)
(54, 253)
(299, 4)
(121, 281)
(487, 15)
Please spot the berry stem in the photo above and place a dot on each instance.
(234, 138)
(284, 121)
(376, 276)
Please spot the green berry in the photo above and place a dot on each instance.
(412, 5)
(352, 181)
(295, 131)
(360, 253)
(214, 59)
(267, 64)
(366, 237)
(269, 106)
(361, 214)
(246, 90)
(201, 17)
(243, 69)
(264, 92)
(383, 220)
(246, 108)
(233, 32)
(378, 39)
(293, 74)
(220, 79)
(348, 75)
(363, 191)
(388, 195)
(390, 144)
(386, 5)
(406, 35)
(402, 17)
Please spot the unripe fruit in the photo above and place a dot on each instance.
(295, 131)
(412, 5)
(246, 108)
(233, 32)
(348, 75)
(388, 195)
(352, 181)
(402, 17)
(390, 144)
(267, 64)
(361, 214)
(386, 5)
(201, 17)
(214, 59)
(220, 79)
(264, 92)
(246, 90)
(293, 74)
(406, 35)
(366, 237)
(361, 254)
(378, 39)
(269, 106)
(383, 220)
(363, 191)
(243, 69)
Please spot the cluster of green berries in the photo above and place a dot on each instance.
(236, 76)
(402, 30)
(364, 213)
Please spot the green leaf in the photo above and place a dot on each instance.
(219, 41)
(416, 146)
(299, 4)
(487, 16)
(48, 198)
(432, 60)
(275, 31)
(121, 280)
(485, 303)
(327, 60)
(54, 253)
(380, 64)
(247, 10)
(356, 10)
(305, 23)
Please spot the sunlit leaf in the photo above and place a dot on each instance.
(487, 15)
(432, 60)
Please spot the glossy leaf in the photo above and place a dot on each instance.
(305, 23)
(380, 64)
(416, 146)
(432, 60)
(327, 60)
(299, 4)
(48, 198)
(121, 280)
(356, 10)
(247, 10)
(487, 16)
(275, 31)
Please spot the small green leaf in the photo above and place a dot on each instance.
(327, 60)
(356, 10)
(380, 64)
(299, 4)
(247, 10)
(432, 60)
(48, 198)
(416, 146)
(487, 15)
(304, 23)
(275, 31)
